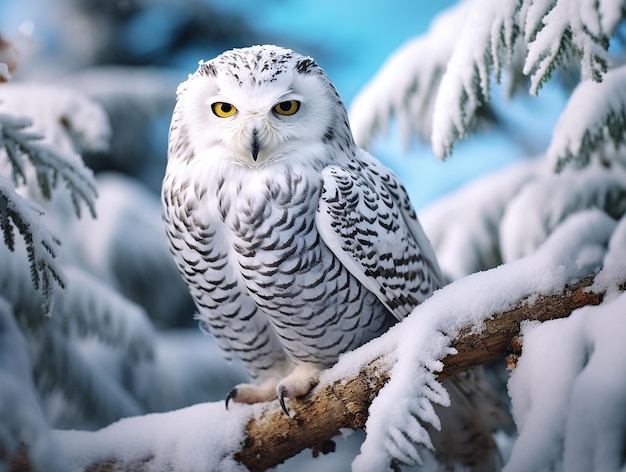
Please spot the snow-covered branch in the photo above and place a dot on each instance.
(256, 437)
(485, 45)
(29, 159)
(51, 164)
(558, 31)
(408, 95)
(578, 137)
(41, 246)
(437, 83)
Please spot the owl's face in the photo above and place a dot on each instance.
(259, 105)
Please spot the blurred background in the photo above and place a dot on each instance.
(129, 56)
(62, 41)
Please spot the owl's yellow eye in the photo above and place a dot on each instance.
(287, 108)
(223, 109)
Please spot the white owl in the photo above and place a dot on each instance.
(296, 244)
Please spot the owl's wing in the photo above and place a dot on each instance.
(366, 219)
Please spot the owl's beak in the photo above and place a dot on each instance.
(256, 144)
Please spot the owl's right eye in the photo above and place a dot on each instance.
(223, 109)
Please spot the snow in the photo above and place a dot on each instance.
(424, 338)
(462, 226)
(486, 38)
(613, 272)
(67, 119)
(405, 83)
(569, 392)
(20, 412)
(553, 29)
(575, 133)
(544, 203)
(198, 438)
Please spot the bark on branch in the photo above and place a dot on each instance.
(274, 437)
(345, 404)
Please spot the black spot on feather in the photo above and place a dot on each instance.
(208, 69)
(303, 65)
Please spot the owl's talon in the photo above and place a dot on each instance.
(230, 395)
(282, 391)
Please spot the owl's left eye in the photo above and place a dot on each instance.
(290, 107)
(223, 109)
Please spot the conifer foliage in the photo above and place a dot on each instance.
(529, 39)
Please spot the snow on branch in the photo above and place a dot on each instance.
(577, 137)
(543, 204)
(406, 84)
(50, 163)
(438, 83)
(572, 422)
(22, 418)
(399, 411)
(557, 31)
(39, 153)
(486, 42)
(463, 225)
(256, 437)
(41, 246)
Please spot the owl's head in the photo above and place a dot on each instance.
(256, 106)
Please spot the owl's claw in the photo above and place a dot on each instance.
(282, 391)
(230, 395)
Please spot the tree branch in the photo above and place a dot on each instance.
(344, 404)
(273, 437)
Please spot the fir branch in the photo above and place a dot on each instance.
(90, 308)
(50, 163)
(486, 43)
(18, 213)
(406, 84)
(557, 31)
(58, 365)
(577, 137)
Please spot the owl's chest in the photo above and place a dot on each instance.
(266, 225)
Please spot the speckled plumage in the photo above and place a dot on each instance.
(310, 251)
(296, 244)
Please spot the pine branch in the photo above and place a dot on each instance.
(51, 165)
(343, 403)
(482, 49)
(493, 35)
(577, 137)
(558, 31)
(406, 84)
(58, 365)
(41, 246)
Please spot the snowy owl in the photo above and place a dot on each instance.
(296, 244)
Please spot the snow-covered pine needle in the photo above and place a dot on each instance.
(578, 136)
(18, 213)
(406, 84)
(50, 163)
(486, 43)
(557, 31)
